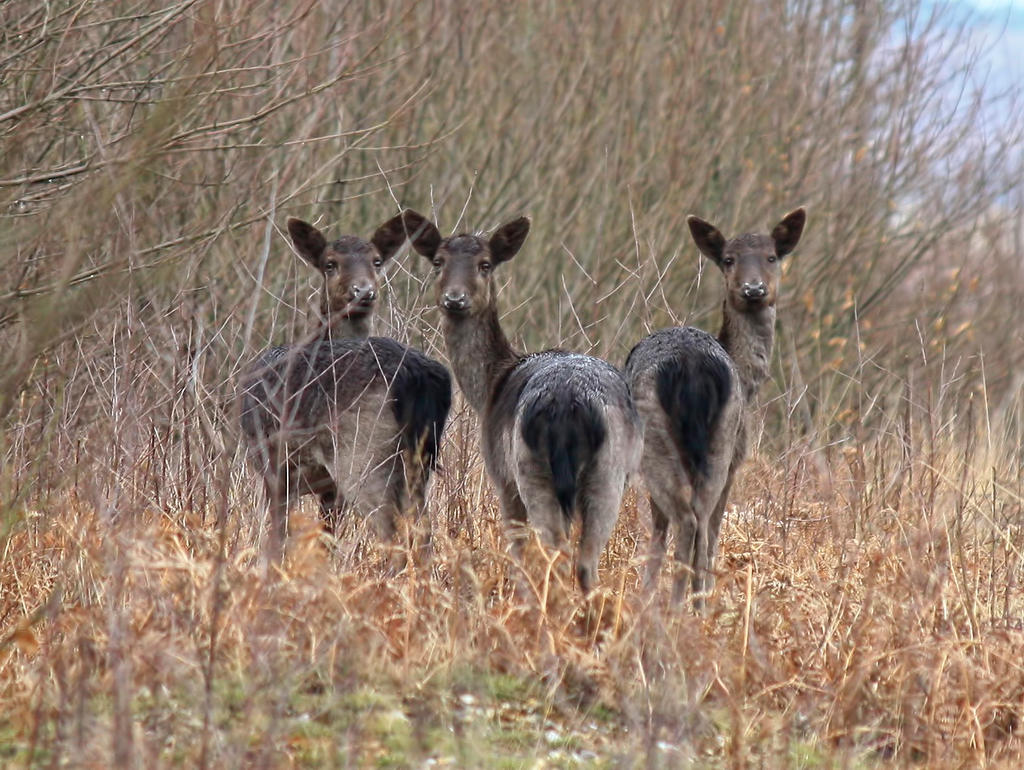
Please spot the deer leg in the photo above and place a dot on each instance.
(276, 488)
(659, 543)
(533, 482)
(701, 576)
(598, 523)
(670, 490)
(686, 547)
(276, 474)
(542, 509)
(423, 536)
(416, 503)
(328, 511)
(513, 513)
(404, 484)
(715, 526)
(384, 520)
(708, 505)
(368, 474)
(602, 495)
(331, 503)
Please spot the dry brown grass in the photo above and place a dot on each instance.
(868, 615)
(868, 610)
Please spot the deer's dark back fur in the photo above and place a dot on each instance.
(559, 431)
(297, 390)
(693, 380)
(354, 421)
(695, 391)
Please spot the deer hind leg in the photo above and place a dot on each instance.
(277, 476)
(670, 505)
(331, 506)
(385, 523)
(670, 491)
(276, 487)
(701, 573)
(397, 499)
(533, 482)
(544, 514)
(329, 498)
(594, 538)
(715, 526)
(368, 467)
(600, 501)
(708, 505)
(688, 528)
(414, 493)
(659, 545)
(513, 514)
(381, 495)
(382, 512)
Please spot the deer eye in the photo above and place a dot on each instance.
(728, 261)
(438, 262)
(772, 257)
(330, 266)
(485, 267)
(378, 262)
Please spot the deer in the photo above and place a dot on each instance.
(558, 430)
(695, 392)
(355, 420)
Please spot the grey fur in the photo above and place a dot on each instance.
(693, 503)
(324, 419)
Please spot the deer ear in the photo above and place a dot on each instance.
(508, 239)
(389, 237)
(426, 238)
(707, 237)
(309, 242)
(786, 233)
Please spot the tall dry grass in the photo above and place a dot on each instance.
(868, 608)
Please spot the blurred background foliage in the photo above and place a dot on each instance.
(150, 156)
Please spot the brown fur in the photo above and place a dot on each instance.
(355, 422)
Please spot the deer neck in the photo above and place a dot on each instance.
(748, 338)
(480, 355)
(342, 327)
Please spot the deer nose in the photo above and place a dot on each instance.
(363, 292)
(754, 290)
(455, 299)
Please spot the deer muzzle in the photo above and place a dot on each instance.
(364, 294)
(455, 301)
(753, 291)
